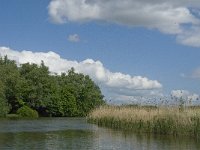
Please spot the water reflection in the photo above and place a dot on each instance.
(75, 133)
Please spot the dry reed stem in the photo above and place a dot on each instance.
(171, 118)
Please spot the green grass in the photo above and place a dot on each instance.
(162, 120)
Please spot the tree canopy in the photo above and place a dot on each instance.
(32, 85)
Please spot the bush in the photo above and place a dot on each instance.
(27, 112)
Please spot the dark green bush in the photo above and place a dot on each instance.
(27, 112)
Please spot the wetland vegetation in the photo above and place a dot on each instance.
(156, 120)
(30, 90)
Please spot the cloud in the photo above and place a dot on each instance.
(74, 38)
(169, 17)
(190, 37)
(195, 74)
(185, 95)
(118, 84)
(151, 97)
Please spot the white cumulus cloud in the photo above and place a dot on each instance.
(115, 82)
(167, 16)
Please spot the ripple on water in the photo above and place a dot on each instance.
(76, 133)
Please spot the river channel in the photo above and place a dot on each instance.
(77, 134)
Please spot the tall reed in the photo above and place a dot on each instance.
(162, 120)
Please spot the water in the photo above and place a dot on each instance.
(77, 134)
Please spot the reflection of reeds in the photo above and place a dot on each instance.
(161, 120)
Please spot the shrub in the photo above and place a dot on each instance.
(27, 112)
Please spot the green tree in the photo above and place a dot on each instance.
(62, 103)
(4, 107)
(36, 85)
(68, 102)
(86, 92)
(10, 77)
(32, 85)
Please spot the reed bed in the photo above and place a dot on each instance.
(162, 120)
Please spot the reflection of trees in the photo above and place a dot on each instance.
(70, 139)
(22, 140)
(5, 139)
(76, 134)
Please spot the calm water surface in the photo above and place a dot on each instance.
(77, 134)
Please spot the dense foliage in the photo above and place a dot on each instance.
(68, 94)
(4, 108)
(27, 112)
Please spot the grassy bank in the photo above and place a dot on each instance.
(163, 120)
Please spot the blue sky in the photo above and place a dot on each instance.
(165, 48)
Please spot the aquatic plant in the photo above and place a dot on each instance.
(158, 120)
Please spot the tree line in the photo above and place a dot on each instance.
(34, 86)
